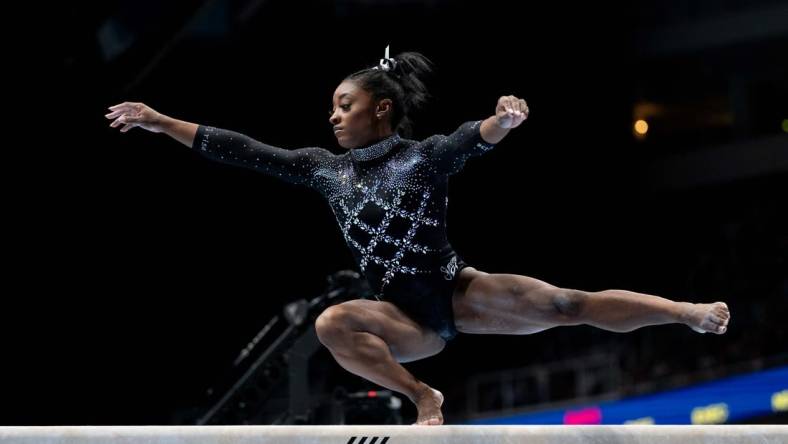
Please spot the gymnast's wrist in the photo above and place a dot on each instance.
(491, 132)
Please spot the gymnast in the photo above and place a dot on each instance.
(389, 196)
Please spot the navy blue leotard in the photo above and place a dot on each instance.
(390, 201)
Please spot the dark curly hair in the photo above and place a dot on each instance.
(403, 85)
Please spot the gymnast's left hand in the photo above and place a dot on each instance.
(510, 112)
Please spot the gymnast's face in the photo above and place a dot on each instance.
(356, 119)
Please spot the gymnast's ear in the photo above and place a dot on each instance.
(383, 107)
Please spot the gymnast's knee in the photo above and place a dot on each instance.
(568, 302)
(332, 325)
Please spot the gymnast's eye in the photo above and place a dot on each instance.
(344, 107)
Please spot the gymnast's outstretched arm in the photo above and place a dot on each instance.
(225, 146)
(477, 137)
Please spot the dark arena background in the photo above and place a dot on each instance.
(147, 285)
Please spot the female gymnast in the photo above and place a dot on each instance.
(389, 196)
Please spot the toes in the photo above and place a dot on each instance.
(431, 421)
(720, 328)
(721, 320)
(722, 313)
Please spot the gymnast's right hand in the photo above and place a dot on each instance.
(135, 114)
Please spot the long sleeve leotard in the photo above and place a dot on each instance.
(389, 198)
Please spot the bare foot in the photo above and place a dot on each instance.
(707, 317)
(429, 405)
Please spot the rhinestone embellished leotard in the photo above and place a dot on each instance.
(390, 201)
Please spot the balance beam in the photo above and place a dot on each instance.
(397, 434)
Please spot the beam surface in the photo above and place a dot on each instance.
(397, 434)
